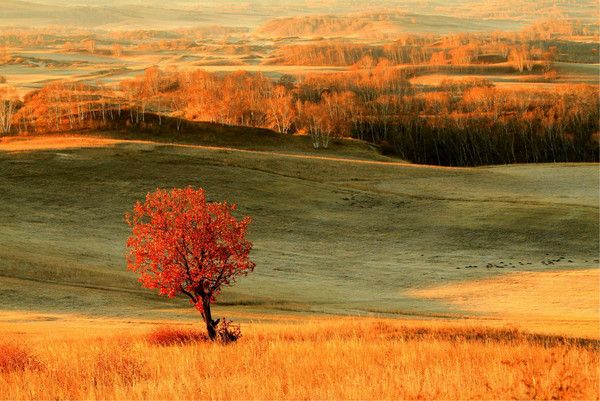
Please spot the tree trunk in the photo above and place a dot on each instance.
(211, 325)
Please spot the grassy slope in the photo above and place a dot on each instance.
(330, 236)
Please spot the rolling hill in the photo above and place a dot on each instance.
(23, 13)
(378, 25)
(405, 16)
(344, 232)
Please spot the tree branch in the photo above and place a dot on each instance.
(189, 294)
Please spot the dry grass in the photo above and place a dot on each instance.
(28, 144)
(169, 335)
(16, 358)
(504, 81)
(529, 297)
(320, 359)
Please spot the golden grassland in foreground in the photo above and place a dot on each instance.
(327, 358)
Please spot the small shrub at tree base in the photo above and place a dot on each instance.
(228, 332)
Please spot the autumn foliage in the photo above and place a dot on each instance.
(459, 122)
(383, 93)
(182, 244)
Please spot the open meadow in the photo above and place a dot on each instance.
(312, 219)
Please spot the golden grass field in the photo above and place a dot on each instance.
(339, 358)
(559, 302)
(500, 355)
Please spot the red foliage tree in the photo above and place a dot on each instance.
(182, 244)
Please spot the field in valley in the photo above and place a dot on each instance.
(50, 65)
(567, 74)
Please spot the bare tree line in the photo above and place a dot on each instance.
(462, 122)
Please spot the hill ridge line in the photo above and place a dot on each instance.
(8, 144)
(299, 156)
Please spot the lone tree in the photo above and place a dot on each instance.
(182, 244)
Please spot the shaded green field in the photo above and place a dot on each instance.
(331, 236)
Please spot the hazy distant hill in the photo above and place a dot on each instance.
(435, 16)
(146, 14)
(310, 17)
(112, 14)
(24, 13)
(376, 25)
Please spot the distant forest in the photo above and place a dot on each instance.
(463, 120)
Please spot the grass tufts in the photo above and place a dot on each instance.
(326, 359)
(168, 335)
(17, 358)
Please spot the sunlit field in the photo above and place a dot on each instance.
(337, 358)
(531, 300)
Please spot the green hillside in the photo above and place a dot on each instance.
(331, 236)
